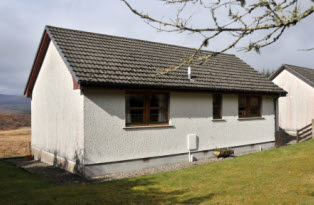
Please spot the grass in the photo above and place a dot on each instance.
(14, 143)
(277, 176)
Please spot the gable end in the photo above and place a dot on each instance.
(298, 75)
(40, 56)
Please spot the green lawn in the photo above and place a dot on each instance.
(276, 176)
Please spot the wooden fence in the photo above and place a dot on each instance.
(304, 132)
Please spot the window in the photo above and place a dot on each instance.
(146, 109)
(249, 106)
(217, 105)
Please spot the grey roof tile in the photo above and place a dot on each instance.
(109, 60)
(306, 73)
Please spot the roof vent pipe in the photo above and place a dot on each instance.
(189, 72)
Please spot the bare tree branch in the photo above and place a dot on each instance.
(307, 49)
(272, 17)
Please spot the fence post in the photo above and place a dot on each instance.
(29, 148)
(312, 128)
(297, 136)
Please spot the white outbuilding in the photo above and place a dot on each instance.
(296, 110)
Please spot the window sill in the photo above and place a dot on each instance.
(219, 120)
(251, 118)
(148, 127)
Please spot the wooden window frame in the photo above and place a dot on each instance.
(147, 108)
(248, 106)
(219, 106)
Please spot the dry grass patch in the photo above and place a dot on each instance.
(14, 142)
(14, 121)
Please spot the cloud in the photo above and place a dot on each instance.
(22, 24)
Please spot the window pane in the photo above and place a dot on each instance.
(242, 101)
(254, 106)
(135, 116)
(158, 115)
(254, 111)
(254, 101)
(158, 100)
(217, 100)
(135, 100)
(242, 112)
(216, 113)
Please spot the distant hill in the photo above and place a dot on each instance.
(14, 104)
(14, 121)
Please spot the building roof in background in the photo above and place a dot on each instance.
(306, 74)
(98, 59)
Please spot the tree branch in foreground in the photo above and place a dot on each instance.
(244, 18)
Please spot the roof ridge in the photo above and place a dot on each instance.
(80, 49)
(305, 78)
(135, 39)
(299, 66)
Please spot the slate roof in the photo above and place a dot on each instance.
(307, 74)
(98, 59)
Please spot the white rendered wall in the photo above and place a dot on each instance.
(296, 109)
(57, 110)
(107, 140)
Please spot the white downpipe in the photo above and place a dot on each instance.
(191, 157)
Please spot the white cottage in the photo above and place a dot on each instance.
(98, 106)
(296, 110)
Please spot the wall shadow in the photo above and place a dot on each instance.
(283, 138)
(69, 188)
(144, 190)
(64, 163)
(57, 172)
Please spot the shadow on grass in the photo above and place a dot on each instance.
(138, 190)
(141, 191)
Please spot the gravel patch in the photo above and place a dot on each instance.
(61, 177)
(158, 169)
(49, 172)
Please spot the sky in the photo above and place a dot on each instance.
(22, 24)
